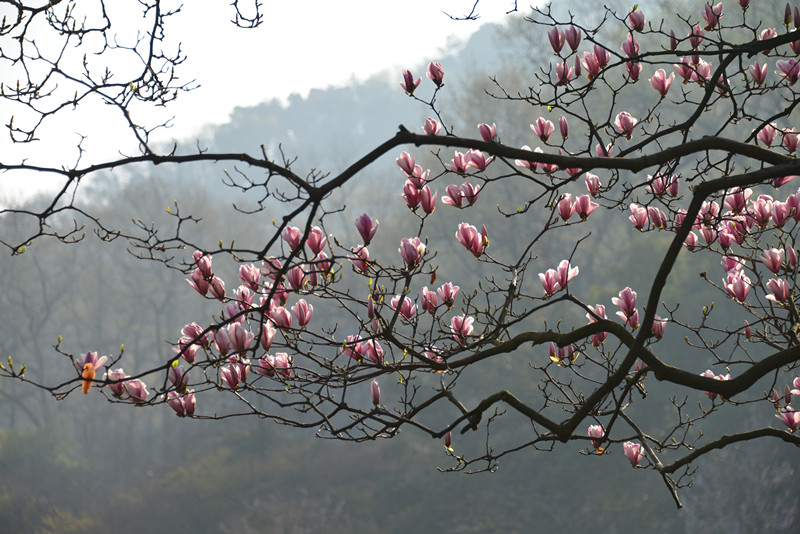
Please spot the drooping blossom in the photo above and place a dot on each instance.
(461, 327)
(633, 452)
(408, 84)
(436, 73)
(661, 83)
(592, 184)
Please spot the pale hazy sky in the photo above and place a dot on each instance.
(301, 45)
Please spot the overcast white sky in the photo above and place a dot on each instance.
(301, 45)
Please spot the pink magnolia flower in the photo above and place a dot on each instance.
(592, 184)
(634, 452)
(478, 159)
(543, 128)
(303, 312)
(134, 390)
(448, 292)
(780, 290)
(240, 337)
(564, 73)
(217, 288)
(562, 355)
(708, 373)
(316, 240)
(354, 348)
(626, 301)
(659, 325)
(461, 327)
(431, 126)
(367, 228)
(428, 300)
(691, 241)
(563, 127)
(427, 200)
(767, 33)
(235, 371)
(761, 210)
(281, 317)
(596, 432)
(591, 64)
(375, 391)
(408, 84)
(460, 163)
(625, 123)
(696, 36)
(634, 69)
(454, 196)
(292, 236)
(475, 242)
(657, 217)
(296, 278)
(407, 309)
(179, 377)
(556, 39)
(436, 73)
(597, 311)
(374, 351)
(736, 200)
(790, 418)
(630, 46)
(267, 334)
(584, 206)
(744, 3)
(181, 404)
(573, 37)
(638, 216)
(758, 72)
(711, 14)
(566, 207)
(198, 282)
(732, 263)
(250, 275)
(406, 163)
(411, 250)
(565, 272)
(737, 284)
(791, 140)
(203, 263)
(789, 70)
(773, 259)
(661, 83)
(92, 359)
(636, 20)
(604, 151)
(767, 134)
(488, 133)
(115, 378)
(549, 281)
(361, 259)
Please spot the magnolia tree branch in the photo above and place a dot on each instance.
(323, 332)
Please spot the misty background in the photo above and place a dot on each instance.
(86, 465)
